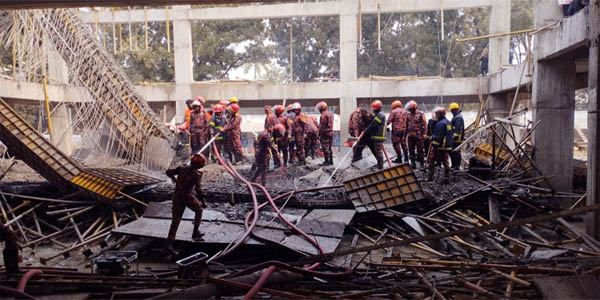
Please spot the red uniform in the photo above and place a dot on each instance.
(283, 141)
(234, 135)
(312, 138)
(416, 126)
(398, 118)
(353, 124)
(270, 121)
(198, 129)
(300, 130)
(188, 179)
(11, 249)
(326, 132)
(262, 154)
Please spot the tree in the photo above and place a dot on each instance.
(521, 18)
(315, 45)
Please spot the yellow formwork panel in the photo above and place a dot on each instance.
(97, 185)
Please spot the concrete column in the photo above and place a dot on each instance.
(592, 220)
(348, 63)
(62, 132)
(499, 23)
(554, 106)
(546, 12)
(182, 50)
(498, 106)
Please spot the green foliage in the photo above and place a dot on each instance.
(315, 45)
(521, 18)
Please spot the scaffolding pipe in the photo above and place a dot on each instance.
(47, 103)
(495, 35)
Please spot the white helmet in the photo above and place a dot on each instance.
(196, 103)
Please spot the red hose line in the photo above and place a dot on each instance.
(386, 156)
(26, 277)
(288, 267)
(259, 283)
(221, 281)
(8, 291)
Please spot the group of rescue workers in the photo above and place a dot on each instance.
(412, 135)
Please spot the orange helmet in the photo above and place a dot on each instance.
(279, 128)
(412, 105)
(321, 106)
(198, 159)
(218, 108)
(278, 109)
(396, 103)
(235, 108)
(201, 99)
(376, 105)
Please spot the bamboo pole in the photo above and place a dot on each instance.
(146, 25)
(494, 35)
(168, 31)
(291, 52)
(130, 29)
(47, 105)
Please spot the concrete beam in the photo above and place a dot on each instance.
(508, 79)
(285, 10)
(570, 34)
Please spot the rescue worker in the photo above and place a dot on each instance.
(11, 249)
(398, 121)
(458, 133)
(216, 124)
(187, 179)
(263, 147)
(311, 139)
(374, 135)
(201, 99)
(353, 121)
(198, 127)
(292, 139)
(270, 117)
(415, 131)
(184, 135)
(234, 133)
(325, 133)
(300, 129)
(283, 141)
(441, 145)
(362, 122)
(427, 138)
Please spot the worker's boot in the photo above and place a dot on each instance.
(326, 161)
(406, 158)
(398, 159)
(446, 176)
(197, 235)
(330, 162)
(11, 260)
(413, 164)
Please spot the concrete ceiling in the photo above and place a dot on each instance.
(31, 4)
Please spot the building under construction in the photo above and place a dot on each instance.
(86, 206)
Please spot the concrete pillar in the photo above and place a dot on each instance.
(592, 220)
(546, 12)
(62, 132)
(554, 106)
(499, 47)
(182, 50)
(498, 106)
(348, 63)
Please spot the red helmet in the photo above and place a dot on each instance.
(218, 108)
(376, 105)
(224, 103)
(201, 99)
(321, 106)
(280, 129)
(412, 104)
(278, 109)
(235, 108)
(198, 159)
(396, 103)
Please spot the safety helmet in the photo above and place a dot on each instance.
(267, 107)
(224, 103)
(376, 105)
(454, 105)
(279, 128)
(188, 101)
(235, 108)
(296, 106)
(396, 103)
(278, 109)
(218, 108)
(201, 99)
(440, 111)
(196, 103)
(321, 106)
(289, 107)
(234, 100)
(198, 159)
(411, 105)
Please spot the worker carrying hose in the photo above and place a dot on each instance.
(283, 141)
(458, 134)
(325, 133)
(187, 180)
(441, 145)
(398, 121)
(374, 136)
(263, 145)
(11, 249)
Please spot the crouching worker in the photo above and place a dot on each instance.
(11, 250)
(187, 179)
